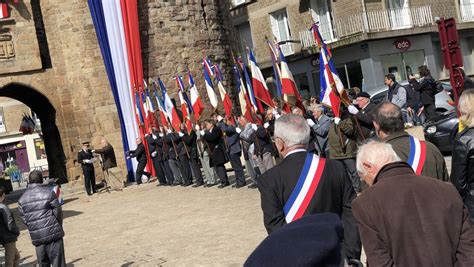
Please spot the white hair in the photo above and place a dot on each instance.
(292, 129)
(317, 107)
(376, 153)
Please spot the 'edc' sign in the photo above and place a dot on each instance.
(402, 44)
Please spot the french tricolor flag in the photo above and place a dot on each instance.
(169, 108)
(248, 83)
(210, 88)
(186, 107)
(226, 101)
(245, 107)
(3, 10)
(160, 103)
(259, 86)
(196, 101)
(289, 87)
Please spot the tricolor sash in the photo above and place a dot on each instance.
(57, 192)
(305, 188)
(417, 156)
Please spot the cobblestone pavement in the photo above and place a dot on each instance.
(152, 226)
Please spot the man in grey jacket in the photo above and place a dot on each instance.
(320, 129)
(396, 93)
(42, 214)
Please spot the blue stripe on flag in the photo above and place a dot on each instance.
(299, 184)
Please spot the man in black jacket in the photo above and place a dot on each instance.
(285, 192)
(86, 159)
(363, 114)
(190, 142)
(163, 156)
(214, 138)
(41, 212)
(182, 157)
(9, 232)
(140, 154)
(151, 140)
(427, 89)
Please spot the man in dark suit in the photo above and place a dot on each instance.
(280, 186)
(140, 154)
(409, 220)
(183, 157)
(151, 140)
(363, 115)
(162, 154)
(190, 141)
(86, 159)
(234, 149)
(218, 157)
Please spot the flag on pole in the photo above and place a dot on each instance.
(245, 107)
(169, 109)
(151, 116)
(3, 10)
(196, 101)
(140, 118)
(210, 88)
(226, 101)
(276, 69)
(248, 83)
(332, 88)
(289, 87)
(160, 103)
(259, 86)
(186, 107)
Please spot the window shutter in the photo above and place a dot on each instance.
(274, 24)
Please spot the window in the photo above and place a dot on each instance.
(245, 39)
(281, 31)
(399, 13)
(321, 13)
(403, 64)
(39, 149)
(467, 10)
(237, 2)
(302, 83)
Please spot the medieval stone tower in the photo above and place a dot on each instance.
(50, 60)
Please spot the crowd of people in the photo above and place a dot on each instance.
(391, 191)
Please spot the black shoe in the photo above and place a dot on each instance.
(161, 185)
(253, 186)
(223, 185)
(198, 184)
(209, 185)
(187, 184)
(239, 186)
(173, 184)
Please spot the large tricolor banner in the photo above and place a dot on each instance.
(116, 25)
(262, 94)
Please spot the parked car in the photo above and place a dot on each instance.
(442, 130)
(443, 99)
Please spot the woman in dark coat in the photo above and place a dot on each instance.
(462, 172)
(214, 138)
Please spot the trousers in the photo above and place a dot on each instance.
(185, 169)
(238, 169)
(160, 173)
(12, 256)
(141, 171)
(51, 254)
(208, 171)
(222, 174)
(196, 170)
(174, 166)
(89, 180)
(265, 162)
(168, 172)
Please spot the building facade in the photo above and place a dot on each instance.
(51, 62)
(369, 38)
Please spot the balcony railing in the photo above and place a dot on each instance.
(467, 12)
(376, 21)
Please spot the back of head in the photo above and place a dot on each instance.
(3, 191)
(389, 117)
(292, 129)
(466, 108)
(313, 240)
(375, 153)
(424, 71)
(35, 177)
(390, 76)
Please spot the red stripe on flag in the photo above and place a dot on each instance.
(311, 190)
(198, 108)
(421, 164)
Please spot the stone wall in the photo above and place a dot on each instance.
(175, 35)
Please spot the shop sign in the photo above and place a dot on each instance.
(402, 44)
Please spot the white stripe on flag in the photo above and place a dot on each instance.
(416, 158)
(304, 190)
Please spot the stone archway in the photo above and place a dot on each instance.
(47, 115)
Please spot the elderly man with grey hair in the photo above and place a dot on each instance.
(423, 222)
(320, 128)
(304, 184)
